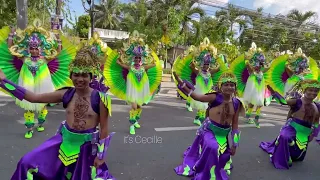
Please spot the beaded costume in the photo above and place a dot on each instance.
(38, 61)
(288, 70)
(250, 69)
(192, 69)
(135, 76)
(102, 51)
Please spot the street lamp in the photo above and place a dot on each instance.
(91, 11)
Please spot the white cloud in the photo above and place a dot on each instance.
(284, 6)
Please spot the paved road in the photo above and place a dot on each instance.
(132, 159)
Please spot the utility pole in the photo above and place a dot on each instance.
(22, 15)
(91, 11)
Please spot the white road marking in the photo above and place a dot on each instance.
(197, 127)
(3, 104)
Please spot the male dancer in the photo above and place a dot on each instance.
(209, 155)
(301, 127)
(78, 150)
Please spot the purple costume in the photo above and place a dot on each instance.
(209, 156)
(70, 154)
(98, 85)
(292, 142)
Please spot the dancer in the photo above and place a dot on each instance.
(133, 78)
(186, 53)
(301, 127)
(102, 51)
(209, 157)
(35, 61)
(78, 149)
(204, 72)
(252, 66)
(288, 70)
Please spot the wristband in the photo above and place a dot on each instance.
(315, 131)
(235, 135)
(103, 146)
(16, 90)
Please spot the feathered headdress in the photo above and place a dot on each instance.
(298, 61)
(136, 47)
(85, 61)
(206, 53)
(34, 36)
(227, 77)
(299, 88)
(255, 56)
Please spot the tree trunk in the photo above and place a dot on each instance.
(22, 15)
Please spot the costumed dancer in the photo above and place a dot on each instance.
(209, 157)
(38, 61)
(288, 70)
(249, 69)
(134, 76)
(203, 67)
(102, 51)
(189, 51)
(301, 127)
(78, 150)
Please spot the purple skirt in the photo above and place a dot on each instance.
(43, 162)
(291, 144)
(209, 156)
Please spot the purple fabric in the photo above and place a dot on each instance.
(95, 99)
(284, 76)
(233, 133)
(125, 73)
(200, 164)
(245, 75)
(45, 158)
(219, 100)
(19, 92)
(17, 63)
(193, 77)
(53, 66)
(98, 85)
(280, 149)
(106, 142)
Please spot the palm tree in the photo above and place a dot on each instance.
(107, 15)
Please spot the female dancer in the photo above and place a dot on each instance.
(252, 66)
(133, 78)
(38, 63)
(203, 67)
(209, 157)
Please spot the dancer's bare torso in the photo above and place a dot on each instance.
(308, 112)
(222, 114)
(80, 115)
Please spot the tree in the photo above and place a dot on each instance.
(108, 15)
(82, 26)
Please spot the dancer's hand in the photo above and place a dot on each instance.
(177, 77)
(233, 150)
(98, 162)
(2, 75)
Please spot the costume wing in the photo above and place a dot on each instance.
(59, 67)
(154, 74)
(175, 64)
(9, 64)
(184, 71)
(239, 69)
(222, 69)
(115, 76)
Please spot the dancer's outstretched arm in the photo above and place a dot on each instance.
(21, 93)
(187, 89)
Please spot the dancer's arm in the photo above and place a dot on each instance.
(216, 69)
(104, 111)
(248, 66)
(235, 133)
(193, 68)
(188, 90)
(21, 93)
(288, 70)
(120, 62)
(149, 66)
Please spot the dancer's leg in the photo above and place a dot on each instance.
(256, 119)
(138, 116)
(248, 114)
(41, 119)
(132, 118)
(29, 123)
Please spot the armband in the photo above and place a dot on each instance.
(103, 146)
(16, 90)
(235, 135)
(188, 85)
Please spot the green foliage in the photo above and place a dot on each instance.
(82, 26)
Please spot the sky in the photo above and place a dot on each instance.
(269, 6)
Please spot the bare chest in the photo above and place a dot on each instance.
(223, 113)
